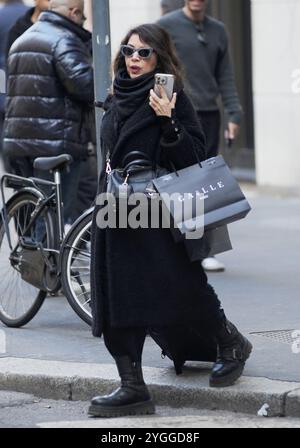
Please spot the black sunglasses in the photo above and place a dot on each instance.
(128, 51)
(201, 36)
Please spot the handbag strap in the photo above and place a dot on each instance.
(144, 161)
(134, 155)
(137, 165)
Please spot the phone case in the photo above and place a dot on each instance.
(166, 81)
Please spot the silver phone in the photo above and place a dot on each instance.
(166, 81)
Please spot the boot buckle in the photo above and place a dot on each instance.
(237, 354)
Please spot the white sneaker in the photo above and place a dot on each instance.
(213, 265)
(67, 228)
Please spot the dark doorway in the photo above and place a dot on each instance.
(236, 15)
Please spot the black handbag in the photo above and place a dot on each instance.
(135, 176)
(214, 241)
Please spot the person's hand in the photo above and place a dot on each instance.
(232, 131)
(162, 106)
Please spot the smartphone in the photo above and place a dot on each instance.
(166, 81)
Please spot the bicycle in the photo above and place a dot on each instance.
(36, 257)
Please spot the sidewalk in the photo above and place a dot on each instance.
(81, 381)
(55, 356)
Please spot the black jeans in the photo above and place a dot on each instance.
(130, 341)
(125, 342)
(211, 122)
(1, 130)
(88, 183)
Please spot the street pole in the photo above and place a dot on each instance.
(102, 62)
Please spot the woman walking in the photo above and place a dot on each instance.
(139, 277)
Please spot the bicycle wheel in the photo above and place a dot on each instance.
(19, 300)
(75, 268)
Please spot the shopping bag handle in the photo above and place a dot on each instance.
(198, 160)
(197, 157)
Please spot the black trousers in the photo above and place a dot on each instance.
(23, 166)
(1, 131)
(130, 341)
(125, 342)
(87, 188)
(211, 122)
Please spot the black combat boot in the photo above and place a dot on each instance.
(233, 350)
(132, 398)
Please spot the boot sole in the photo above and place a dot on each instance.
(143, 408)
(229, 380)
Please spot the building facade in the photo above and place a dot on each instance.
(265, 38)
(276, 91)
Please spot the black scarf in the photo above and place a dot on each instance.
(130, 94)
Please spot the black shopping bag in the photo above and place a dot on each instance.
(214, 241)
(212, 182)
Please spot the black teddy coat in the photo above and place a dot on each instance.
(141, 277)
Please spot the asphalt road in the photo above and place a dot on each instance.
(27, 411)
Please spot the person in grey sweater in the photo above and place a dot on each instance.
(202, 46)
(170, 5)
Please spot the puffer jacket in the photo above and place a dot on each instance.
(50, 88)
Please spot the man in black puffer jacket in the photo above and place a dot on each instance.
(49, 90)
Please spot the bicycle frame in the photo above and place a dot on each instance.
(31, 183)
(32, 209)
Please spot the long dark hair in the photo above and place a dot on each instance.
(157, 38)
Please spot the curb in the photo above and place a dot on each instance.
(81, 381)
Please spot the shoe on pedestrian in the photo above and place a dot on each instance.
(132, 398)
(233, 351)
(67, 227)
(211, 264)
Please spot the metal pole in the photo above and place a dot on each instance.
(102, 61)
